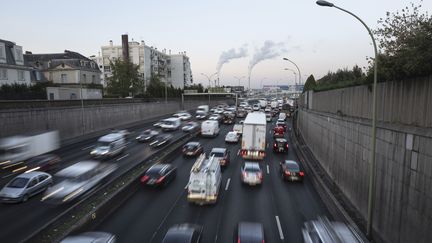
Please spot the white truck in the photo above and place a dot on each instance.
(204, 181)
(210, 128)
(254, 136)
(16, 149)
(263, 103)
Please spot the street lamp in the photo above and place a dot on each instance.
(298, 69)
(295, 74)
(239, 78)
(371, 190)
(209, 77)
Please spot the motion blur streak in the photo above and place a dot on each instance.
(52, 193)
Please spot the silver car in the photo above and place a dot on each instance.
(24, 186)
(96, 237)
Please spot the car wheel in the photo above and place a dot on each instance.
(24, 198)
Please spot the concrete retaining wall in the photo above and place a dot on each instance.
(403, 204)
(74, 121)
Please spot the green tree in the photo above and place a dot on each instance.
(310, 83)
(405, 41)
(125, 79)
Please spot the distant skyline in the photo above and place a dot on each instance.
(318, 39)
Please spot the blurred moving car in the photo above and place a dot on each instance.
(251, 173)
(221, 154)
(210, 128)
(278, 132)
(228, 117)
(44, 162)
(161, 139)
(241, 113)
(325, 231)
(125, 133)
(291, 170)
(250, 232)
(76, 180)
(24, 186)
(171, 124)
(281, 123)
(269, 117)
(183, 116)
(192, 149)
(108, 146)
(90, 237)
(183, 233)
(282, 116)
(158, 124)
(256, 107)
(232, 137)
(215, 117)
(190, 127)
(201, 115)
(280, 145)
(147, 135)
(159, 175)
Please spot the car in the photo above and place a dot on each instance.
(158, 124)
(96, 237)
(241, 113)
(125, 133)
(222, 154)
(268, 117)
(190, 127)
(281, 123)
(275, 112)
(147, 135)
(24, 186)
(159, 175)
(280, 145)
(183, 116)
(228, 117)
(232, 137)
(256, 107)
(291, 170)
(192, 149)
(183, 233)
(250, 232)
(278, 132)
(238, 128)
(161, 139)
(216, 117)
(77, 180)
(45, 162)
(326, 231)
(251, 173)
(218, 111)
(201, 115)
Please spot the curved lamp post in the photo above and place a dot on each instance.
(295, 74)
(209, 77)
(371, 190)
(298, 69)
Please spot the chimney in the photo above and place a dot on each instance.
(125, 47)
(142, 42)
(111, 43)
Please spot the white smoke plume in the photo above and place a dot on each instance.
(226, 56)
(269, 50)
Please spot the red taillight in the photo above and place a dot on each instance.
(160, 179)
(144, 178)
(260, 175)
(301, 173)
(286, 145)
(244, 174)
(238, 240)
(275, 145)
(287, 173)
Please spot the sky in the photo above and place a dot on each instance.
(318, 39)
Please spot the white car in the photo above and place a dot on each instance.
(256, 107)
(183, 116)
(232, 137)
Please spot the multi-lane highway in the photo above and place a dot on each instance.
(20, 220)
(280, 206)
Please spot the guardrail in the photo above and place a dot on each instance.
(87, 210)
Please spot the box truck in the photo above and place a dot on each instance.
(254, 134)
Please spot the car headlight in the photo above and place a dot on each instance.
(93, 152)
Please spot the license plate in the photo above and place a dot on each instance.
(189, 153)
(294, 178)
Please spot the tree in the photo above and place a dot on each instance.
(405, 41)
(125, 79)
(310, 83)
(198, 87)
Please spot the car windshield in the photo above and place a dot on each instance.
(153, 172)
(252, 168)
(217, 154)
(103, 144)
(190, 146)
(18, 182)
(292, 166)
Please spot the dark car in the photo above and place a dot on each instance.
(278, 132)
(281, 123)
(161, 140)
(228, 118)
(147, 135)
(159, 175)
(192, 149)
(280, 145)
(221, 154)
(183, 233)
(249, 232)
(44, 162)
(291, 170)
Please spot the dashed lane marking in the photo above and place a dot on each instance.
(124, 156)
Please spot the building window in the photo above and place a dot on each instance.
(2, 53)
(18, 54)
(84, 77)
(51, 96)
(20, 75)
(64, 78)
(94, 79)
(38, 76)
(3, 74)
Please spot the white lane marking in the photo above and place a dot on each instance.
(238, 152)
(124, 156)
(269, 131)
(227, 184)
(91, 146)
(6, 176)
(268, 169)
(187, 185)
(279, 227)
(127, 143)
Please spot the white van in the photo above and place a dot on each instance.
(109, 145)
(210, 128)
(171, 124)
(282, 116)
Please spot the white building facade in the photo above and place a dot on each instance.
(150, 60)
(12, 68)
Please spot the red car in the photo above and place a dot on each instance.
(278, 132)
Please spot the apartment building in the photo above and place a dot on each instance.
(12, 68)
(180, 74)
